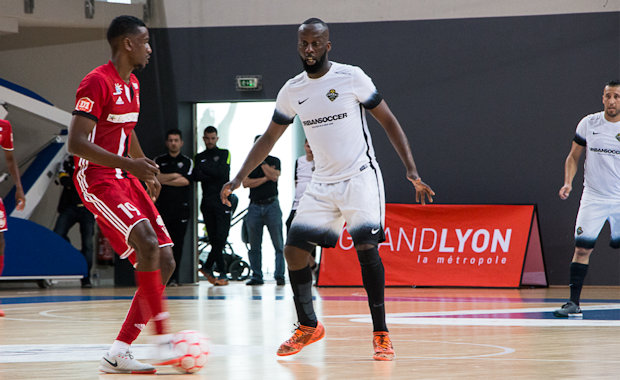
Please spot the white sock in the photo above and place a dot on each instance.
(118, 347)
(162, 338)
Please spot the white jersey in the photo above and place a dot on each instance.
(303, 175)
(602, 166)
(331, 110)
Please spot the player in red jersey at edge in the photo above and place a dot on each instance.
(109, 167)
(6, 143)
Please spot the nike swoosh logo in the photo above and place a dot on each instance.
(374, 231)
(115, 364)
(596, 133)
(302, 101)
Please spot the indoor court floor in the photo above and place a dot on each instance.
(438, 333)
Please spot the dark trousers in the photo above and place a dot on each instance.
(72, 215)
(176, 223)
(217, 222)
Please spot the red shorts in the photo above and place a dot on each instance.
(3, 225)
(119, 205)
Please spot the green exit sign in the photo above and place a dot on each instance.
(249, 82)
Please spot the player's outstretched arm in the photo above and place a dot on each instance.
(388, 121)
(570, 169)
(20, 198)
(251, 183)
(257, 154)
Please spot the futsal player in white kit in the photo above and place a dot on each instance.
(599, 135)
(330, 99)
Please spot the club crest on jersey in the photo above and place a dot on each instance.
(179, 165)
(332, 95)
(84, 104)
(118, 89)
(618, 137)
(579, 230)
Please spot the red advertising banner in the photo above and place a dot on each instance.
(448, 245)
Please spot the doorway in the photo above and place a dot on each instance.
(237, 124)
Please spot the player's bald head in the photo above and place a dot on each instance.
(316, 24)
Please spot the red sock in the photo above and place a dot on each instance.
(136, 319)
(152, 291)
(147, 302)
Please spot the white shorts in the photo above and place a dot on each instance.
(590, 220)
(324, 208)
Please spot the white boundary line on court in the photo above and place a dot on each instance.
(439, 318)
(30, 353)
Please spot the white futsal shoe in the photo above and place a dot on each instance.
(124, 363)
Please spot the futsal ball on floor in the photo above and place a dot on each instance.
(193, 349)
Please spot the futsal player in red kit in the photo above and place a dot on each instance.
(109, 167)
(6, 143)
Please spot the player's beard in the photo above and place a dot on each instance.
(318, 65)
(139, 67)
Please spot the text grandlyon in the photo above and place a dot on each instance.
(443, 240)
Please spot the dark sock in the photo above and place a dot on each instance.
(577, 276)
(373, 277)
(301, 282)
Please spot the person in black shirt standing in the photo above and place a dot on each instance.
(213, 171)
(264, 210)
(71, 210)
(175, 170)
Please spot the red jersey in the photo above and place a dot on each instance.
(6, 135)
(6, 143)
(115, 105)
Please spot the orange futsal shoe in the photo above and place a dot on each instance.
(303, 336)
(383, 346)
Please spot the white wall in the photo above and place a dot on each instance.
(53, 71)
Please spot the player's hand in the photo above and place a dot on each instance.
(143, 168)
(565, 192)
(153, 187)
(227, 189)
(20, 200)
(422, 191)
